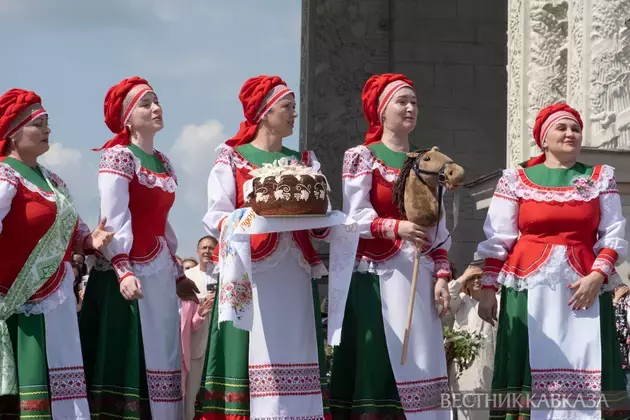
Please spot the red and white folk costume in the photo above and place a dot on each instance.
(137, 191)
(279, 376)
(546, 229)
(384, 262)
(43, 374)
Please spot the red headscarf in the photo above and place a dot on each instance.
(377, 92)
(257, 95)
(545, 120)
(120, 100)
(17, 108)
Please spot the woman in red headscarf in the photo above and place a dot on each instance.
(40, 353)
(129, 319)
(555, 232)
(367, 377)
(274, 371)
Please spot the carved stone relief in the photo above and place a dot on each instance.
(537, 68)
(608, 74)
(574, 51)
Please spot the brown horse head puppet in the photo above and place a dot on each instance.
(417, 189)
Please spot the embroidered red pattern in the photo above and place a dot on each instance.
(284, 379)
(503, 190)
(355, 165)
(164, 386)
(167, 165)
(425, 395)
(604, 264)
(122, 265)
(34, 405)
(566, 381)
(67, 383)
(385, 228)
(117, 161)
(7, 175)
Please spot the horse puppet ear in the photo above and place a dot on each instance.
(435, 149)
(413, 155)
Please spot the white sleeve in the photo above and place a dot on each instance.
(500, 228)
(454, 289)
(221, 192)
(80, 235)
(319, 234)
(612, 247)
(356, 184)
(171, 238)
(440, 254)
(116, 170)
(8, 189)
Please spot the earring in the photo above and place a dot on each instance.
(128, 127)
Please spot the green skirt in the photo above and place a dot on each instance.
(28, 337)
(224, 392)
(113, 355)
(511, 361)
(362, 381)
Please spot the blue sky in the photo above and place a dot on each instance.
(195, 53)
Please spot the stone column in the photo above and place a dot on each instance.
(574, 51)
(344, 42)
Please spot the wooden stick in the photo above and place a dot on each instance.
(412, 300)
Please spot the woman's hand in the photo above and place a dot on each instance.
(131, 288)
(99, 238)
(471, 272)
(413, 233)
(442, 296)
(206, 306)
(487, 309)
(587, 290)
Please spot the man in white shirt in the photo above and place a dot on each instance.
(195, 323)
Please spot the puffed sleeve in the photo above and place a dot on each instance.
(8, 189)
(500, 228)
(116, 171)
(356, 186)
(440, 254)
(312, 161)
(221, 192)
(611, 247)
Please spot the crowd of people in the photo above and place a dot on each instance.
(149, 340)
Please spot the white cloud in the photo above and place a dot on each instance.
(195, 147)
(79, 172)
(59, 157)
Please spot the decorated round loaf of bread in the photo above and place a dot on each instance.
(286, 188)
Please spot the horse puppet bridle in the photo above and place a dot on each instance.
(441, 181)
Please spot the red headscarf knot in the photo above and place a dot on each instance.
(14, 113)
(544, 121)
(372, 105)
(257, 95)
(118, 107)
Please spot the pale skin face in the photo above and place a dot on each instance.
(147, 115)
(32, 140)
(473, 288)
(564, 140)
(204, 250)
(281, 117)
(401, 113)
(188, 264)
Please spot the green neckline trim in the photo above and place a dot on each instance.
(151, 162)
(546, 177)
(33, 175)
(258, 157)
